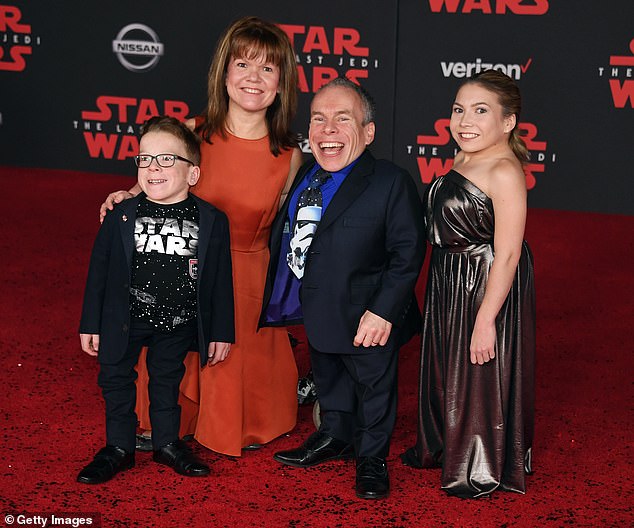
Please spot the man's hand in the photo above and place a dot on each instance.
(89, 343)
(217, 352)
(113, 198)
(373, 330)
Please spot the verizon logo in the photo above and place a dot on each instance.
(467, 69)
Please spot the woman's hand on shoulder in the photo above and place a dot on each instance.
(114, 198)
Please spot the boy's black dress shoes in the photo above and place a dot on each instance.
(106, 464)
(317, 448)
(372, 478)
(180, 458)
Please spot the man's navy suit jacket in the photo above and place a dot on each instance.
(366, 254)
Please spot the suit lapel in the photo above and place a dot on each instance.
(301, 173)
(127, 221)
(278, 224)
(354, 184)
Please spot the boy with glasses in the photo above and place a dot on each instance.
(160, 275)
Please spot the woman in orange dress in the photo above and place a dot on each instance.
(249, 158)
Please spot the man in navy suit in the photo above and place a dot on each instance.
(347, 264)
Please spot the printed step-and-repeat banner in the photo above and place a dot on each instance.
(79, 77)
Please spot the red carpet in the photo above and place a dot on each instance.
(52, 411)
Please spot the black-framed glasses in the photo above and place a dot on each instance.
(164, 160)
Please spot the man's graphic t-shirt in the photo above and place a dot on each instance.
(165, 263)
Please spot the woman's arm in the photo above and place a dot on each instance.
(296, 163)
(508, 193)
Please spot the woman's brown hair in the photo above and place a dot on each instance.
(511, 101)
(248, 38)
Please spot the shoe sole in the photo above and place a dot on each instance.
(83, 480)
(331, 459)
(184, 474)
(373, 495)
(253, 447)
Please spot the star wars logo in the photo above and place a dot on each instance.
(111, 131)
(166, 236)
(620, 78)
(490, 7)
(435, 154)
(323, 54)
(15, 38)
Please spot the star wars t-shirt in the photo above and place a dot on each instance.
(165, 263)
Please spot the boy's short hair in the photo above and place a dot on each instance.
(176, 128)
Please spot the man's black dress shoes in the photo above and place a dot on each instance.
(106, 464)
(179, 457)
(372, 478)
(317, 448)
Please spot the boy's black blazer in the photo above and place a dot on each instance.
(106, 307)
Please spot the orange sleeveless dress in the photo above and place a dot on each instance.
(251, 397)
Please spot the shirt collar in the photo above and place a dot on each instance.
(338, 176)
